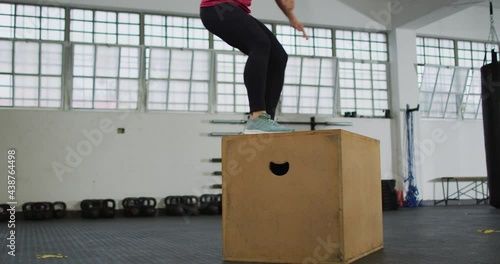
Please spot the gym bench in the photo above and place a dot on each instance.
(475, 185)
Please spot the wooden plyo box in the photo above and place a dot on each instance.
(304, 197)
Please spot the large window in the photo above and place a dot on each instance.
(435, 51)
(105, 77)
(104, 27)
(31, 55)
(363, 88)
(178, 80)
(441, 91)
(31, 22)
(30, 74)
(362, 72)
(173, 31)
(310, 86)
(449, 77)
(176, 32)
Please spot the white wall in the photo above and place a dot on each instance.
(449, 149)
(160, 154)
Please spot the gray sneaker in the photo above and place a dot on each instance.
(264, 124)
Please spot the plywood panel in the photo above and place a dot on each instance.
(362, 201)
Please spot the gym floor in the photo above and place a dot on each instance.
(434, 234)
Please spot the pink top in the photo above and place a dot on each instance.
(244, 4)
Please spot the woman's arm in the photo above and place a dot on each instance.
(288, 7)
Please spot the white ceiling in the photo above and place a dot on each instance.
(496, 3)
(414, 13)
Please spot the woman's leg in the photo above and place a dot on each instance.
(275, 72)
(240, 30)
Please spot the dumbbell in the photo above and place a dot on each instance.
(208, 204)
(4, 214)
(59, 209)
(90, 208)
(28, 211)
(108, 208)
(173, 206)
(148, 206)
(131, 207)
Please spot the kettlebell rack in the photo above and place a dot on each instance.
(184, 205)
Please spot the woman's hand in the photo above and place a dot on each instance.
(288, 7)
(295, 23)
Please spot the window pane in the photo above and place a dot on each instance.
(52, 59)
(179, 80)
(33, 78)
(472, 54)
(319, 43)
(26, 91)
(231, 91)
(6, 90)
(26, 57)
(5, 56)
(174, 31)
(50, 92)
(363, 88)
(361, 45)
(436, 51)
(309, 86)
(105, 77)
(104, 27)
(32, 22)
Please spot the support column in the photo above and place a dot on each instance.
(404, 90)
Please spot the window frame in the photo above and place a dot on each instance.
(38, 75)
(457, 65)
(68, 60)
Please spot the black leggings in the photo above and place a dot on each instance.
(265, 68)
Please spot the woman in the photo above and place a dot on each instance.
(265, 68)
